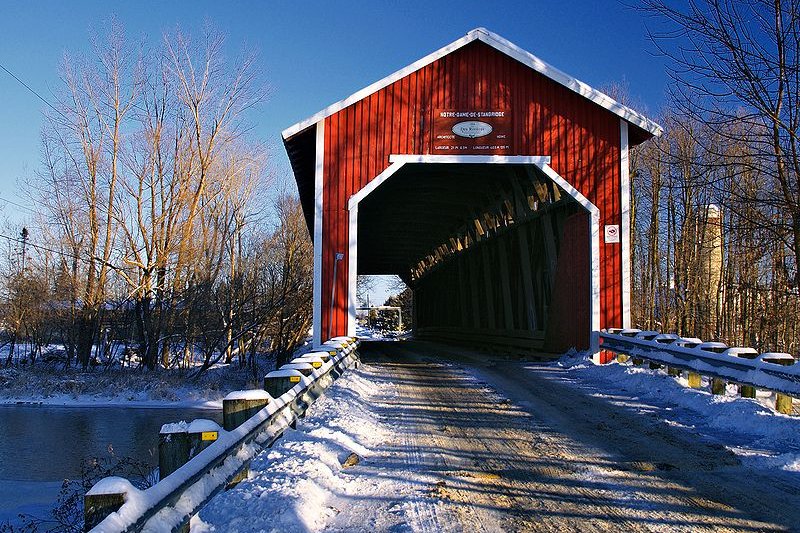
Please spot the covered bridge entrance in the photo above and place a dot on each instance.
(493, 184)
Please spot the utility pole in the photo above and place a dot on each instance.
(24, 235)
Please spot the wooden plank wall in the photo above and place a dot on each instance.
(582, 139)
(569, 302)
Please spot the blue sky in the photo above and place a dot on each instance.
(312, 53)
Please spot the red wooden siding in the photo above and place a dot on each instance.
(569, 306)
(582, 139)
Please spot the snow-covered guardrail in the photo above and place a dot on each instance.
(745, 366)
(114, 505)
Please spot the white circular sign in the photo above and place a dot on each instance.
(612, 233)
(472, 129)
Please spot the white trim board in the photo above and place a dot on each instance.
(317, 287)
(506, 47)
(625, 227)
(374, 183)
(352, 271)
(352, 250)
(537, 160)
(542, 162)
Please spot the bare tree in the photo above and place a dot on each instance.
(154, 215)
(87, 134)
(735, 69)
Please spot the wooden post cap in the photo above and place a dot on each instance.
(104, 498)
(278, 382)
(239, 406)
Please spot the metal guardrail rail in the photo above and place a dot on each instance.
(711, 359)
(169, 504)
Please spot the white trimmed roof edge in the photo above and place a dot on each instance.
(510, 49)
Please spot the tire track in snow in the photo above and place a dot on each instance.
(547, 477)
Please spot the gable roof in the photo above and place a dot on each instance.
(506, 47)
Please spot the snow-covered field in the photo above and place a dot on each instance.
(749, 427)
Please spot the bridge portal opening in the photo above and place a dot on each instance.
(496, 254)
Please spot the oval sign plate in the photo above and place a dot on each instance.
(472, 129)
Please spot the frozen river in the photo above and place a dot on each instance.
(40, 446)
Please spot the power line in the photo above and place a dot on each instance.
(19, 205)
(39, 96)
(43, 248)
(51, 106)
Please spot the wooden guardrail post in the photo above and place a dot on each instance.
(783, 403)
(179, 442)
(717, 386)
(747, 391)
(104, 498)
(173, 448)
(278, 382)
(674, 372)
(622, 358)
(96, 507)
(239, 406)
(695, 380)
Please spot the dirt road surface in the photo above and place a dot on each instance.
(484, 444)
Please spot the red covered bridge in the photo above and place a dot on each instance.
(493, 184)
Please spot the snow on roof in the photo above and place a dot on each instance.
(254, 394)
(510, 49)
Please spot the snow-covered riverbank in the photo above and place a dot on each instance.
(121, 387)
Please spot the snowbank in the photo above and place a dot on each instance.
(749, 427)
(292, 485)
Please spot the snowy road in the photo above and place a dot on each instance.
(453, 442)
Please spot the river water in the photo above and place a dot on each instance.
(40, 446)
